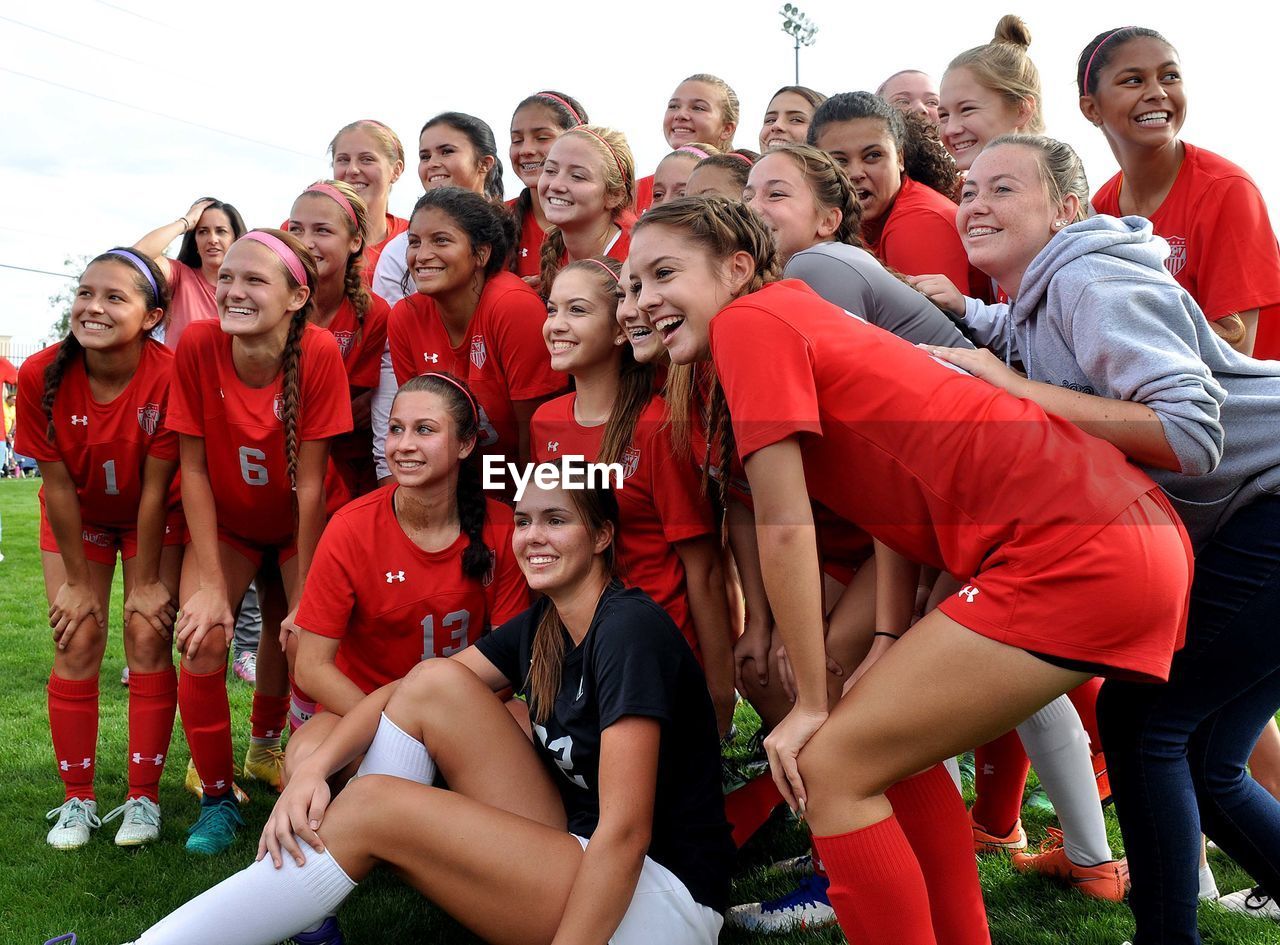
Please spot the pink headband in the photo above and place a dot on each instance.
(597, 262)
(573, 112)
(616, 160)
(449, 378)
(690, 149)
(741, 157)
(1089, 64)
(320, 187)
(287, 256)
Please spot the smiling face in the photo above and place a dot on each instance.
(447, 158)
(214, 236)
(778, 190)
(533, 131)
(1140, 100)
(422, 446)
(672, 177)
(646, 343)
(1006, 217)
(554, 544)
(109, 311)
(324, 228)
(913, 92)
(253, 293)
(572, 187)
(581, 331)
(786, 119)
(695, 112)
(971, 114)
(358, 160)
(440, 256)
(867, 152)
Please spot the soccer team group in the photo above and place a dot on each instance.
(926, 448)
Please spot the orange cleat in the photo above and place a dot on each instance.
(1109, 880)
(1102, 779)
(984, 842)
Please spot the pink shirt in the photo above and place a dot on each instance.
(192, 301)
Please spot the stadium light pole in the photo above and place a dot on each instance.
(800, 28)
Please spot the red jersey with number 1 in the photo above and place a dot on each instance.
(243, 430)
(103, 446)
(393, 604)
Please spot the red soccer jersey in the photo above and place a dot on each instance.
(372, 253)
(940, 466)
(644, 194)
(919, 236)
(501, 354)
(242, 428)
(1222, 248)
(660, 502)
(529, 248)
(361, 344)
(103, 446)
(393, 604)
(618, 249)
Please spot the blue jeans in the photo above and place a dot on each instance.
(1176, 753)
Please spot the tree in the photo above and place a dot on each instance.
(61, 300)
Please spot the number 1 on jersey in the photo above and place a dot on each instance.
(109, 468)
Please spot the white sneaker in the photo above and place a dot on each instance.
(1208, 885)
(139, 822)
(1252, 902)
(246, 666)
(76, 818)
(124, 676)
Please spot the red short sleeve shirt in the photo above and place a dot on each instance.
(393, 604)
(529, 249)
(242, 427)
(395, 226)
(361, 344)
(103, 446)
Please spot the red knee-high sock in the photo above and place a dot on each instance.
(1000, 777)
(153, 699)
(73, 722)
(206, 719)
(268, 716)
(1085, 699)
(877, 888)
(932, 816)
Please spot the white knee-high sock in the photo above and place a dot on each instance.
(953, 768)
(397, 753)
(260, 905)
(1058, 747)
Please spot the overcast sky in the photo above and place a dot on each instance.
(135, 108)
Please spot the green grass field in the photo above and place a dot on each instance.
(108, 895)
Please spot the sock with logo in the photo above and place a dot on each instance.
(153, 700)
(206, 719)
(1000, 776)
(73, 723)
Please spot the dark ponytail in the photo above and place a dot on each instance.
(482, 141)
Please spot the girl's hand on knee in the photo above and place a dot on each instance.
(753, 648)
(204, 611)
(783, 747)
(298, 813)
(288, 626)
(72, 604)
(153, 603)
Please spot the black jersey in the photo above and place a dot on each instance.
(633, 661)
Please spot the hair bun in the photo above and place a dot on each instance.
(1012, 30)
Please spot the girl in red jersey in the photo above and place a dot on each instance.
(672, 175)
(259, 397)
(1049, 527)
(368, 156)
(208, 229)
(91, 412)
(667, 544)
(538, 121)
(329, 219)
(1222, 245)
(587, 188)
(723, 174)
(988, 91)
(473, 318)
(702, 108)
(788, 116)
(417, 570)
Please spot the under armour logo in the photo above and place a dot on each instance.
(139, 759)
(216, 785)
(968, 592)
(83, 421)
(68, 765)
(553, 446)
(431, 358)
(395, 576)
(524, 252)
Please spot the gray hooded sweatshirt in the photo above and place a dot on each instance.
(1098, 313)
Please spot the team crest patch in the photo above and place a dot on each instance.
(344, 339)
(277, 407)
(478, 353)
(1177, 254)
(149, 418)
(630, 462)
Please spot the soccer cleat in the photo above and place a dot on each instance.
(1109, 880)
(1102, 778)
(139, 822)
(192, 783)
(984, 842)
(265, 763)
(794, 866)
(246, 666)
(805, 907)
(214, 832)
(328, 934)
(1253, 902)
(76, 820)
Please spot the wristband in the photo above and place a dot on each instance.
(185, 225)
(885, 633)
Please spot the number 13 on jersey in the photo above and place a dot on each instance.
(453, 635)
